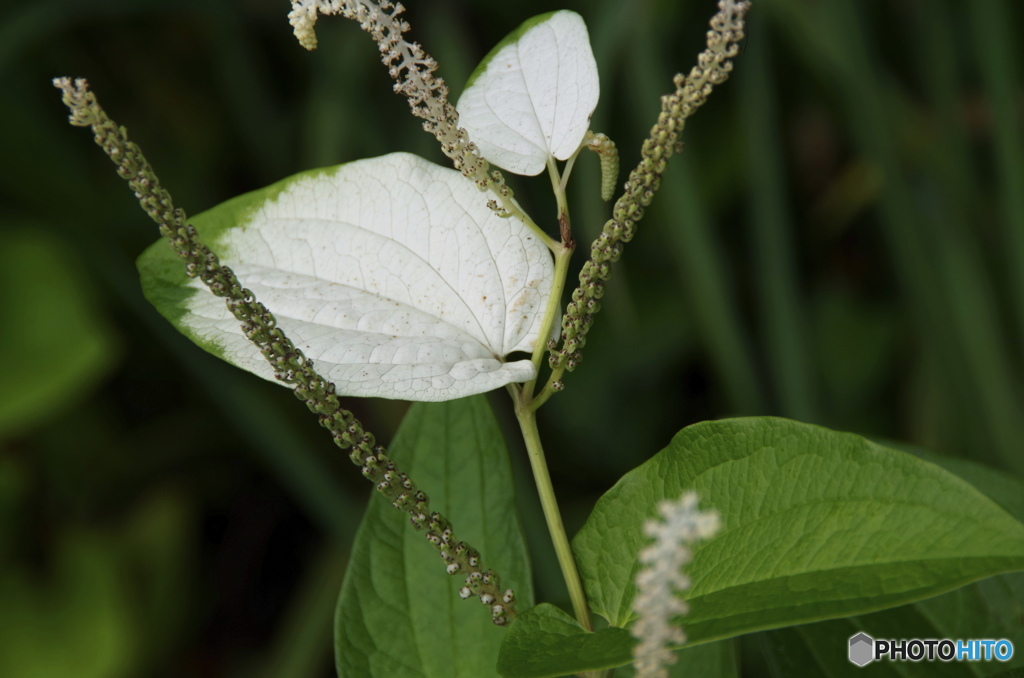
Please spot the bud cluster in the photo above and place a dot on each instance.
(290, 365)
(412, 69)
(713, 67)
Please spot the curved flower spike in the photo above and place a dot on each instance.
(531, 98)
(389, 273)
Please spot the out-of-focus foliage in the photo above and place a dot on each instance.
(57, 342)
(840, 243)
(104, 603)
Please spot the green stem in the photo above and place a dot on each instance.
(528, 423)
(526, 407)
(549, 388)
(558, 188)
(569, 164)
(563, 255)
(513, 209)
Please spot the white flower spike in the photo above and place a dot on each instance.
(391, 274)
(303, 18)
(531, 98)
(661, 578)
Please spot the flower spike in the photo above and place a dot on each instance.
(713, 67)
(661, 578)
(290, 364)
(412, 69)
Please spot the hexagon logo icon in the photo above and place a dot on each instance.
(862, 649)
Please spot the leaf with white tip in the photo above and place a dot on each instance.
(391, 274)
(532, 97)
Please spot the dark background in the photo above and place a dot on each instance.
(842, 242)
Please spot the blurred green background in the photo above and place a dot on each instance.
(842, 242)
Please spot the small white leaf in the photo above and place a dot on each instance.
(391, 274)
(533, 95)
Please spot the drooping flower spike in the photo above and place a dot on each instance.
(413, 69)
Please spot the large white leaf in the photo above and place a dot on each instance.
(533, 95)
(390, 273)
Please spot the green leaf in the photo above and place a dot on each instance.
(818, 649)
(391, 274)
(709, 660)
(84, 605)
(991, 608)
(821, 649)
(816, 525)
(545, 641)
(1002, 488)
(793, 652)
(108, 603)
(56, 341)
(399, 613)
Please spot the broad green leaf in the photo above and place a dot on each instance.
(787, 652)
(55, 338)
(709, 660)
(1002, 488)
(532, 96)
(991, 608)
(399, 613)
(986, 609)
(546, 642)
(822, 649)
(390, 273)
(816, 525)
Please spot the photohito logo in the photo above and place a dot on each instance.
(864, 649)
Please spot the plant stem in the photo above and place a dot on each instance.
(513, 209)
(563, 255)
(549, 388)
(526, 408)
(528, 423)
(558, 188)
(568, 166)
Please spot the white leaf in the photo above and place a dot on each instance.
(533, 95)
(392, 275)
